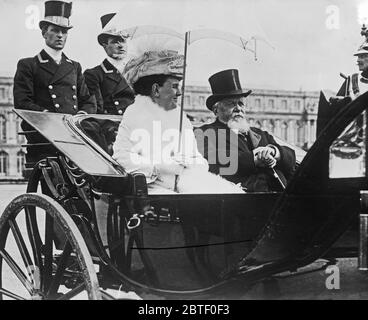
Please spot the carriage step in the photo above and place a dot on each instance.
(112, 294)
(36, 144)
(27, 132)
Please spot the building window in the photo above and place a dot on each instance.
(187, 100)
(21, 156)
(4, 163)
(2, 94)
(2, 128)
(297, 105)
(283, 104)
(271, 104)
(201, 100)
(257, 104)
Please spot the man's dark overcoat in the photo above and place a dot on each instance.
(220, 145)
(112, 92)
(41, 84)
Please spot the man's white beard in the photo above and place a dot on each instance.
(240, 125)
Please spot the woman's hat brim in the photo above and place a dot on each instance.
(211, 100)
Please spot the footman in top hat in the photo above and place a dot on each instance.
(50, 81)
(105, 81)
(254, 152)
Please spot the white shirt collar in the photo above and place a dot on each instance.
(118, 64)
(54, 54)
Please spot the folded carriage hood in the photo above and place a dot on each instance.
(58, 129)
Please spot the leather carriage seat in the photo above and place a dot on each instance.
(101, 131)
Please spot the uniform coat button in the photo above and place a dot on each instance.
(51, 87)
(75, 107)
(74, 87)
(74, 97)
(116, 103)
(57, 105)
(53, 96)
(120, 112)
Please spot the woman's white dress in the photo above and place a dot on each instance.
(147, 142)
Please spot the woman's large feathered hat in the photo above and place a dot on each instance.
(166, 62)
(57, 13)
(154, 55)
(109, 30)
(225, 84)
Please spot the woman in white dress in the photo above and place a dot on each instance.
(148, 136)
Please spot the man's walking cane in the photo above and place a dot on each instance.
(277, 177)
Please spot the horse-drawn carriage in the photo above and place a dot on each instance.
(85, 225)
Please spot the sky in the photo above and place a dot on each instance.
(308, 42)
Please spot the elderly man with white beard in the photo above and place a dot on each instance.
(236, 151)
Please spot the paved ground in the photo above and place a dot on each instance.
(344, 282)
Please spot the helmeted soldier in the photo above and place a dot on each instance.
(50, 81)
(105, 81)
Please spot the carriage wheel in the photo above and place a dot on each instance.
(31, 266)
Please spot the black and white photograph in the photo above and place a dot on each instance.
(198, 151)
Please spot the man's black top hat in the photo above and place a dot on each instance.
(57, 13)
(111, 32)
(105, 19)
(225, 84)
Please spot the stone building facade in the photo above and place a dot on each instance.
(12, 155)
(290, 115)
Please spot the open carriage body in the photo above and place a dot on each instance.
(108, 232)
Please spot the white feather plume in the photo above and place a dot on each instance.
(154, 42)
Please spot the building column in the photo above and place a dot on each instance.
(277, 128)
(264, 125)
(291, 133)
(308, 133)
(313, 131)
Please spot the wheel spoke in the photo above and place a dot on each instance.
(72, 293)
(34, 235)
(47, 270)
(23, 249)
(11, 294)
(17, 271)
(56, 281)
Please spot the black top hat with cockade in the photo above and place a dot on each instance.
(225, 84)
(57, 13)
(363, 48)
(110, 31)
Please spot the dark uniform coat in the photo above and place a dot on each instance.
(219, 145)
(41, 84)
(112, 92)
